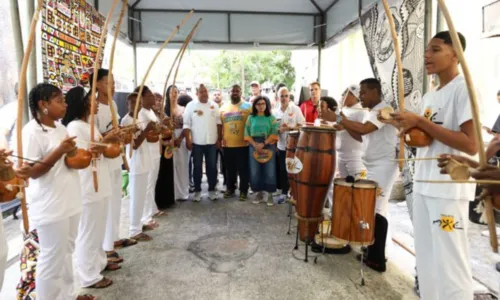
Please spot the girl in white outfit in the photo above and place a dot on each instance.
(90, 256)
(140, 165)
(104, 123)
(181, 155)
(53, 195)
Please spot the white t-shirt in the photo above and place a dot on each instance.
(81, 130)
(380, 144)
(450, 108)
(145, 116)
(104, 123)
(202, 119)
(346, 145)
(140, 162)
(56, 195)
(292, 116)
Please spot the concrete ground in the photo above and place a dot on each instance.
(229, 249)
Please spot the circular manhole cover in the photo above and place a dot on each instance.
(224, 251)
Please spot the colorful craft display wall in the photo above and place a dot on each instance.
(70, 36)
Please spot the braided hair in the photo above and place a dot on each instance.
(41, 92)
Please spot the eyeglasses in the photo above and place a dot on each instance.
(261, 103)
(284, 96)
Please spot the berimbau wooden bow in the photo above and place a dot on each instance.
(173, 102)
(94, 87)
(180, 54)
(475, 117)
(399, 65)
(110, 77)
(165, 43)
(21, 95)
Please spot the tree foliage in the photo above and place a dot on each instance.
(229, 67)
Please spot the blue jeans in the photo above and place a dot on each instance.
(262, 176)
(209, 151)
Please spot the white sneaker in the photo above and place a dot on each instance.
(213, 195)
(197, 197)
(259, 198)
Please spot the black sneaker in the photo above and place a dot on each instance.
(372, 265)
(243, 196)
(229, 194)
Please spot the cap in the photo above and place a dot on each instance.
(354, 89)
(254, 83)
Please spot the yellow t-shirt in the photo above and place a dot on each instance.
(234, 118)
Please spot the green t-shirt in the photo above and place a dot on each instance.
(262, 126)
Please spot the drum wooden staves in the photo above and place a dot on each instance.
(353, 214)
(316, 151)
(292, 139)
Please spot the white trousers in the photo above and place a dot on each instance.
(181, 170)
(114, 210)
(90, 257)
(54, 274)
(150, 207)
(384, 173)
(4, 250)
(440, 227)
(138, 184)
(346, 166)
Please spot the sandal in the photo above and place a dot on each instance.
(86, 297)
(102, 284)
(114, 257)
(112, 267)
(142, 237)
(160, 214)
(147, 227)
(123, 243)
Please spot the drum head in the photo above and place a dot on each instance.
(294, 133)
(342, 182)
(318, 129)
(365, 184)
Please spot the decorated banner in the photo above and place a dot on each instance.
(409, 20)
(70, 36)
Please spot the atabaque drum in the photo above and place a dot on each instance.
(292, 138)
(353, 212)
(316, 152)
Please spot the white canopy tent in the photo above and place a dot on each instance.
(257, 24)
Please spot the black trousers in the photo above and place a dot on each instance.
(283, 174)
(279, 180)
(236, 163)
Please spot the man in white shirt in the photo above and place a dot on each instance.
(441, 211)
(290, 118)
(349, 144)
(379, 143)
(203, 132)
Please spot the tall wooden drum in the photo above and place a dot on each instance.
(316, 151)
(291, 144)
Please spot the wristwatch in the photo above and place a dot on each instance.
(339, 118)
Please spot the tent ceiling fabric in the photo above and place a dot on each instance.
(237, 24)
(297, 6)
